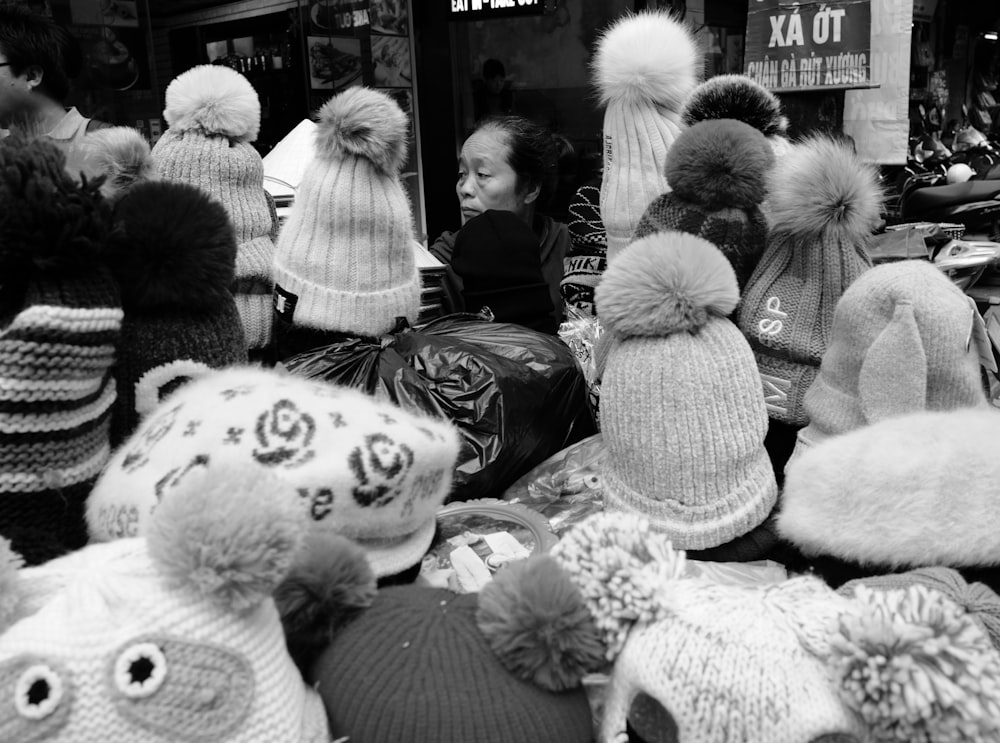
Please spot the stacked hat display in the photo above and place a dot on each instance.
(912, 490)
(360, 467)
(345, 259)
(586, 258)
(904, 339)
(694, 659)
(824, 204)
(172, 636)
(173, 253)
(414, 666)
(681, 411)
(60, 320)
(213, 116)
(645, 66)
(717, 171)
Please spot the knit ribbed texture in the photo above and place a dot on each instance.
(56, 396)
(227, 676)
(232, 172)
(684, 424)
(740, 234)
(415, 667)
(733, 663)
(901, 341)
(346, 251)
(637, 139)
(979, 601)
(587, 256)
(787, 314)
(362, 468)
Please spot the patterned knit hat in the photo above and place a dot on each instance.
(645, 67)
(60, 318)
(213, 115)
(345, 259)
(415, 667)
(170, 637)
(681, 411)
(717, 171)
(362, 468)
(172, 252)
(904, 339)
(824, 203)
(586, 258)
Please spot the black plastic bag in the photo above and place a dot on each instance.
(516, 395)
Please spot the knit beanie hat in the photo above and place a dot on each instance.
(824, 204)
(60, 319)
(979, 601)
(174, 636)
(644, 68)
(717, 172)
(586, 258)
(121, 155)
(742, 98)
(173, 253)
(345, 260)
(414, 666)
(213, 116)
(912, 490)
(362, 468)
(904, 339)
(681, 410)
(497, 258)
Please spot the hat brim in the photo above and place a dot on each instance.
(393, 558)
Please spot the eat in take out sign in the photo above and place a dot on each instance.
(478, 10)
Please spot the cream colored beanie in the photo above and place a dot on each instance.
(345, 259)
(681, 409)
(645, 67)
(213, 115)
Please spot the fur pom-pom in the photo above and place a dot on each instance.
(538, 625)
(667, 282)
(330, 582)
(48, 221)
(736, 97)
(10, 563)
(647, 58)
(120, 154)
(823, 189)
(915, 667)
(213, 100)
(173, 247)
(720, 164)
(230, 537)
(362, 122)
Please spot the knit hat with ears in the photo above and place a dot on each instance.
(717, 172)
(742, 98)
(174, 636)
(213, 115)
(789, 662)
(904, 339)
(121, 155)
(60, 321)
(345, 259)
(824, 203)
(681, 411)
(173, 253)
(645, 66)
(362, 468)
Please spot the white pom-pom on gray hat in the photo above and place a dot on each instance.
(362, 122)
(213, 99)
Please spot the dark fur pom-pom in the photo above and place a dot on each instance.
(173, 247)
(736, 97)
(538, 625)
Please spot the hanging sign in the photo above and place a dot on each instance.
(808, 45)
(479, 10)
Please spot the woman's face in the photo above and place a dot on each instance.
(486, 180)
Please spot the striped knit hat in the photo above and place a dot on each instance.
(60, 319)
(586, 258)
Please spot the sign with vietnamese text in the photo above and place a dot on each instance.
(808, 45)
(478, 10)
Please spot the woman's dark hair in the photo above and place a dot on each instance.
(27, 39)
(534, 153)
